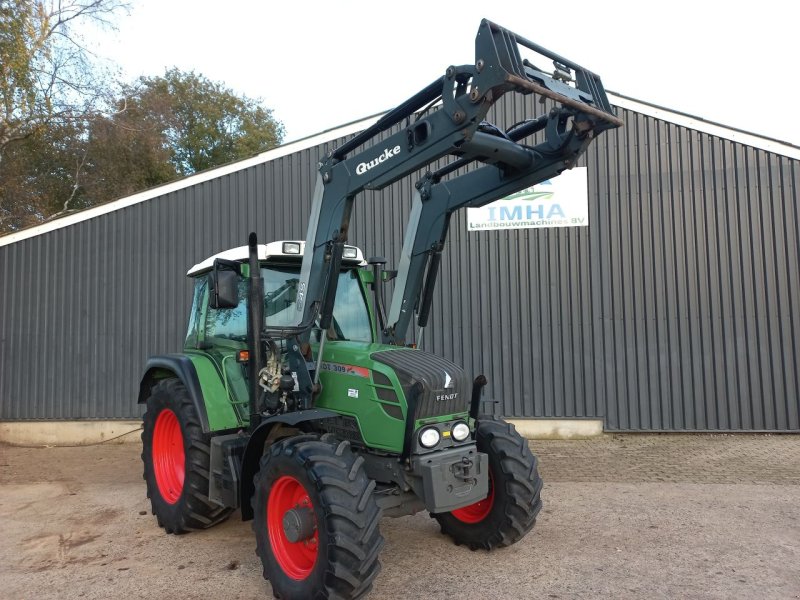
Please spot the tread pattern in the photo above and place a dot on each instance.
(515, 468)
(193, 510)
(348, 562)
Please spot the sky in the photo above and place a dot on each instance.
(319, 65)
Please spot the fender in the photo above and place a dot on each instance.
(165, 365)
(255, 449)
(204, 383)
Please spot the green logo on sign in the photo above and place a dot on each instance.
(529, 195)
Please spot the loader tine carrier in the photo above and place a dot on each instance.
(457, 129)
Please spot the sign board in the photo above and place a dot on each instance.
(559, 202)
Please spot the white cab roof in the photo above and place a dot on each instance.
(266, 252)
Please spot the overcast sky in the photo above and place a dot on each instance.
(322, 64)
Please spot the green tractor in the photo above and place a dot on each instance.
(298, 399)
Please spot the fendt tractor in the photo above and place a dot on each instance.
(300, 400)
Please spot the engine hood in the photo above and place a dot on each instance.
(445, 387)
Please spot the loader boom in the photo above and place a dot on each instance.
(455, 129)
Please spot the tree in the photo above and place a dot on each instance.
(38, 177)
(47, 77)
(49, 89)
(67, 140)
(173, 126)
(206, 124)
(126, 153)
(163, 128)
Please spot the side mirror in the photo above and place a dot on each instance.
(224, 284)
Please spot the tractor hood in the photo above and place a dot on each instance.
(445, 387)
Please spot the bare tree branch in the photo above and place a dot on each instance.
(47, 75)
(75, 186)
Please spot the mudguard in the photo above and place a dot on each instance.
(255, 449)
(197, 373)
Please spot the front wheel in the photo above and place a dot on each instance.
(509, 510)
(176, 457)
(316, 520)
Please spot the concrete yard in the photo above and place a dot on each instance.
(625, 516)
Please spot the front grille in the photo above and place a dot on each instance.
(412, 366)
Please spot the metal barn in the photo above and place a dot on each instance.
(676, 309)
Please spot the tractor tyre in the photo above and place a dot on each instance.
(316, 520)
(509, 511)
(176, 455)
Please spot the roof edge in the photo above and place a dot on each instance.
(710, 127)
(651, 110)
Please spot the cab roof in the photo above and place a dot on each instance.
(274, 251)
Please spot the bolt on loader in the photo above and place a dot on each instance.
(301, 401)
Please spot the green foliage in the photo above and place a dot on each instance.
(47, 76)
(173, 126)
(166, 127)
(125, 153)
(23, 30)
(37, 175)
(205, 123)
(66, 143)
(49, 90)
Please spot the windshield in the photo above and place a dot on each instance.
(350, 315)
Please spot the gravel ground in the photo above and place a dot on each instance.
(625, 516)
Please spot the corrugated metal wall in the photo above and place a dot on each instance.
(678, 308)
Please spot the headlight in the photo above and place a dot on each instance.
(460, 431)
(350, 252)
(291, 248)
(430, 437)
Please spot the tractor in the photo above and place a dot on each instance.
(300, 400)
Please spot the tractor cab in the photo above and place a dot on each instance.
(386, 394)
(280, 270)
(220, 334)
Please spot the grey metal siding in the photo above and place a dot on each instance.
(676, 309)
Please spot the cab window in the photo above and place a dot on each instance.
(229, 323)
(350, 313)
(196, 312)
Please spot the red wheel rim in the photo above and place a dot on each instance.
(168, 456)
(297, 559)
(475, 513)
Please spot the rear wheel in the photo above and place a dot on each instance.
(176, 457)
(315, 520)
(509, 510)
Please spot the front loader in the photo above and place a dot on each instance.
(298, 398)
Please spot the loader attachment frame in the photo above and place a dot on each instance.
(455, 128)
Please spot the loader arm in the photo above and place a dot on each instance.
(432, 206)
(455, 129)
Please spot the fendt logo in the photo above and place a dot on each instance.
(448, 385)
(384, 156)
(448, 381)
